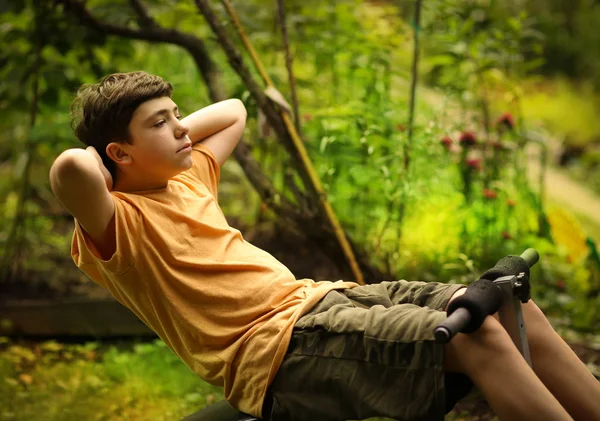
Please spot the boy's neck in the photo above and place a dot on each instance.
(127, 185)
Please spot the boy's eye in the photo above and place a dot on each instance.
(160, 123)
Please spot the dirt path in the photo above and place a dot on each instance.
(563, 190)
(572, 195)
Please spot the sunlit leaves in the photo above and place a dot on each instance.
(480, 39)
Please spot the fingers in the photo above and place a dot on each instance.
(94, 153)
(107, 175)
(457, 294)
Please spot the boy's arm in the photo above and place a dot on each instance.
(82, 187)
(218, 126)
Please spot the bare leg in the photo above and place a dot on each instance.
(509, 385)
(559, 368)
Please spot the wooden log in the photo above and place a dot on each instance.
(74, 317)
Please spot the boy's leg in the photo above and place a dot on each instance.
(557, 366)
(563, 373)
(494, 364)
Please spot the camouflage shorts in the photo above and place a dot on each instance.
(368, 352)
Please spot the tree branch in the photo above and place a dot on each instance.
(267, 107)
(289, 65)
(155, 34)
(142, 12)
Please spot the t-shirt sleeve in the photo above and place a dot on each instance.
(205, 167)
(127, 228)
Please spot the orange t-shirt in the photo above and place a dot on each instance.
(224, 306)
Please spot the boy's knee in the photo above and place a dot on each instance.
(534, 313)
(467, 353)
(536, 323)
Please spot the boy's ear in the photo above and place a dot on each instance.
(117, 153)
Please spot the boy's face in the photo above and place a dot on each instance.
(157, 138)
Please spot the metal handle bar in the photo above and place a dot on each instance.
(461, 317)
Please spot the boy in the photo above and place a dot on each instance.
(148, 228)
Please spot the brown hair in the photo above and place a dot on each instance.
(101, 112)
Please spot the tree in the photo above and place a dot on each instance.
(37, 50)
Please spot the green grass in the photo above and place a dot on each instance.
(58, 382)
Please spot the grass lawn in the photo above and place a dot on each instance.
(132, 381)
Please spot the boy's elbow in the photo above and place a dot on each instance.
(63, 167)
(71, 163)
(242, 108)
(68, 161)
(63, 161)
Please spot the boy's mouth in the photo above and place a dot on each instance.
(186, 147)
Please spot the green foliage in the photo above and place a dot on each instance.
(568, 292)
(435, 221)
(357, 141)
(467, 39)
(568, 111)
(63, 382)
(572, 43)
(45, 59)
(500, 43)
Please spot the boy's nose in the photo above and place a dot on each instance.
(181, 130)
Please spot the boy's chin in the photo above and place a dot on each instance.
(180, 170)
(188, 165)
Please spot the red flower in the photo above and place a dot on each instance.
(447, 142)
(506, 235)
(467, 138)
(400, 127)
(307, 117)
(489, 194)
(511, 202)
(506, 120)
(473, 163)
(561, 284)
(496, 144)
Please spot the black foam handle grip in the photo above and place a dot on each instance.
(507, 266)
(512, 266)
(482, 298)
